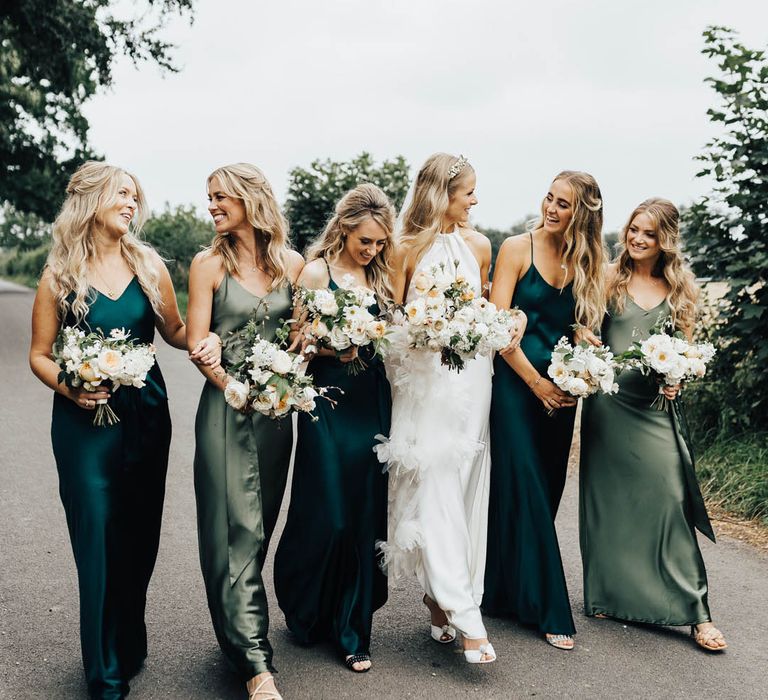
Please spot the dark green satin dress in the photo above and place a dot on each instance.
(639, 499)
(529, 457)
(241, 467)
(112, 486)
(327, 578)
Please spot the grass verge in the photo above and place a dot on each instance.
(733, 473)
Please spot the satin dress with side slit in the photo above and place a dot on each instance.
(327, 578)
(524, 575)
(241, 468)
(112, 486)
(640, 502)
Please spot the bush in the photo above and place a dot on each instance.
(24, 266)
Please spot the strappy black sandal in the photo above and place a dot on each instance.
(350, 661)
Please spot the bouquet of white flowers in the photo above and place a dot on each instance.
(339, 319)
(669, 357)
(446, 317)
(583, 369)
(267, 379)
(89, 360)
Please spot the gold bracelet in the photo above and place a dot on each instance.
(535, 382)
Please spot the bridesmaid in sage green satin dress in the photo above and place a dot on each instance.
(111, 478)
(241, 462)
(554, 275)
(327, 578)
(640, 503)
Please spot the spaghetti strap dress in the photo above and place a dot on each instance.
(529, 456)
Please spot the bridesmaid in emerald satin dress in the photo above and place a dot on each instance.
(327, 578)
(241, 462)
(640, 502)
(554, 275)
(111, 478)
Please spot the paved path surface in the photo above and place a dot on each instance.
(39, 652)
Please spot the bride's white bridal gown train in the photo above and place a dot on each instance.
(438, 459)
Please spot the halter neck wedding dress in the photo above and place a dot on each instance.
(438, 460)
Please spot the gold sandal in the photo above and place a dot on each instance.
(703, 638)
(258, 693)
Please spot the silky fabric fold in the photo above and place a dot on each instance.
(639, 498)
(241, 468)
(112, 486)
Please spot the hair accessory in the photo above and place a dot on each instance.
(457, 167)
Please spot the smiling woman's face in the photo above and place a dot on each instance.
(228, 212)
(116, 217)
(463, 197)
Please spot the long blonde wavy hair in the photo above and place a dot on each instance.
(683, 292)
(423, 218)
(584, 250)
(247, 183)
(364, 202)
(92, 189)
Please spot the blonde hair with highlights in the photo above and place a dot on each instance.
(247, 183)
(432, 192)
(92, 189)
(683, 291)
(360, 204)
(584, 251)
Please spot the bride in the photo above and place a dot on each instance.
(437, 454)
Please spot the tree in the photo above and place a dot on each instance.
(53, 57)
(178, 234)
(313, 192)
(21, 230)
(726, 234)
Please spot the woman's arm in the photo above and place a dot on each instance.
(204, 274)
(509, 265)
(45, 327)
(173, 329)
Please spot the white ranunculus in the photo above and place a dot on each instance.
(281, 362)
(236, 394)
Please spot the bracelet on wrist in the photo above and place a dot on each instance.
(535, 382)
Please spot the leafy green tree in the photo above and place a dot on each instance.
(53, 57)
(178, 234)
(726, 234)
(21, 230)
(314, 191)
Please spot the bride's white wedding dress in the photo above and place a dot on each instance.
(438, 460)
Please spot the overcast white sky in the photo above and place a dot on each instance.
(523, 89)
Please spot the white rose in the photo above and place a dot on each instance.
(263, 401)
(326, 303)
(376, 329)
(338, 339)
(414, 311)
(281, 362)
(236, 394)
(577, 387)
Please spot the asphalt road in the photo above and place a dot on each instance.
(39, 649)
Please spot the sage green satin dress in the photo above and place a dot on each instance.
(241, 467)
(327, 578)
(112, 486)
(529, 458)
(639, 499)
